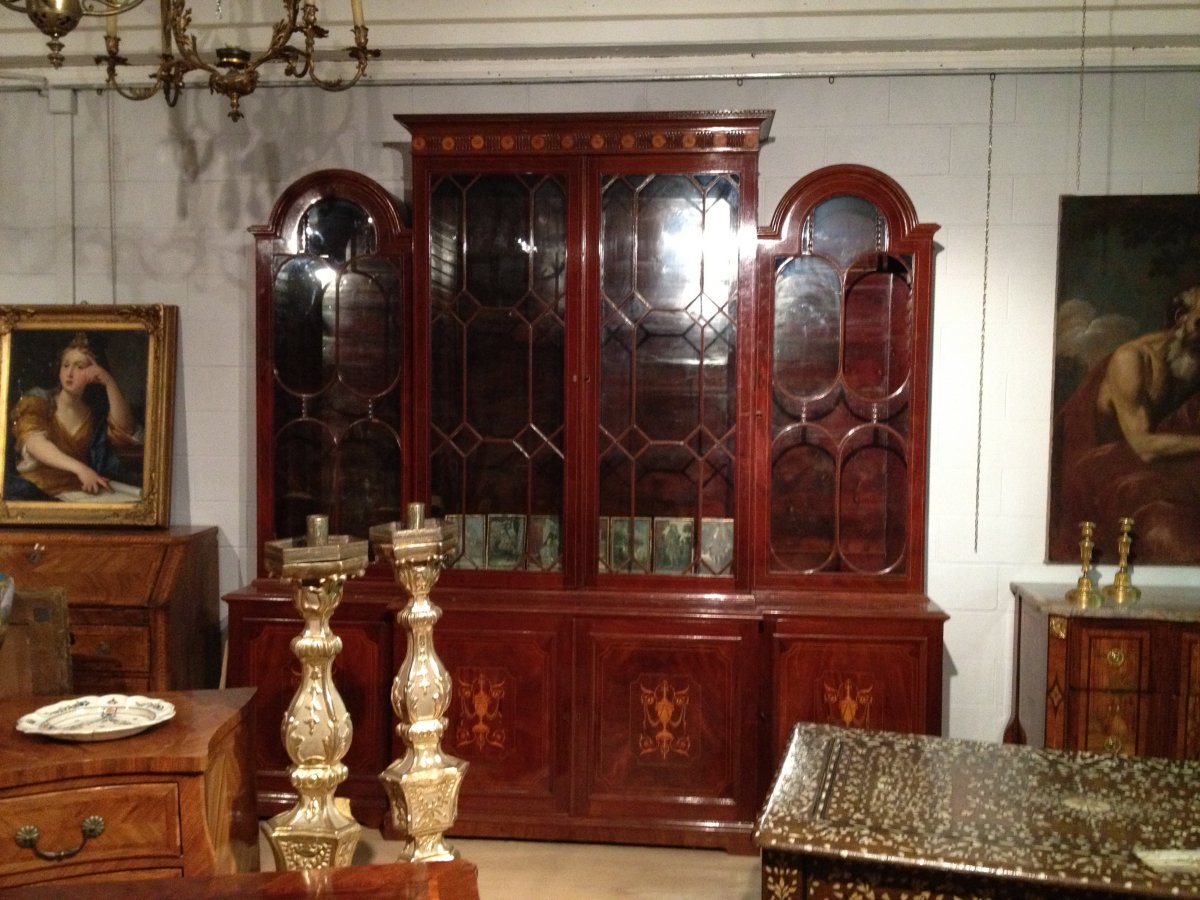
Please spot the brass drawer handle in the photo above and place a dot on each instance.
(35, 554)
(27, 838)
(1112, 744)
(1116, 657)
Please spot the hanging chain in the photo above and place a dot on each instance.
(1079, 124)
(987, 237)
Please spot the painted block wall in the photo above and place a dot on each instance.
(186, 183)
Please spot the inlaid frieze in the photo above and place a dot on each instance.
(670, 133)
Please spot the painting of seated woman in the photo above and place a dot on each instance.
(84, 425)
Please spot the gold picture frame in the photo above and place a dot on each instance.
(65, 371)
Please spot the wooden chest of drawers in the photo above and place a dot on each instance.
(177, 800)
(142, 603)
(1116, 679)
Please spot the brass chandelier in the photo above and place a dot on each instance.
(233, 72)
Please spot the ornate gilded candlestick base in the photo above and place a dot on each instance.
(423, 784)
(1084, 593)
(319, 830)
(1122, 589)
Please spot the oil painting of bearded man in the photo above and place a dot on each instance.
(1126, 439)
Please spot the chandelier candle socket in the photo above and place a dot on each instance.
(319, 831)
(423, 784)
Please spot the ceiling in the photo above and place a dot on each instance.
(565, 40)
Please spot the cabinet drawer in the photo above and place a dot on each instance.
(112, 649)
(96, 573)
(1113, 722)
(1113, 661)
(140, 820)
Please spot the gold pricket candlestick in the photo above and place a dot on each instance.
(1122, 589)
(423, 784)
(319, 830)
(1084, 593)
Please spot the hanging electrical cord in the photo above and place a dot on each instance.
(987, 238)
(1079, 125)
(112, 204)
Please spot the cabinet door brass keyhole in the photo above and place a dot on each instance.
(1116, 657)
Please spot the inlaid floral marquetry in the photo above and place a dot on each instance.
(865, 814)
(483, 696)
(665, 703)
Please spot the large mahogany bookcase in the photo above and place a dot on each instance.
(686, 456)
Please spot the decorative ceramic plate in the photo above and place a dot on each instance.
(92, 718)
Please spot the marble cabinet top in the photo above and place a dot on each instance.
(1181, 604)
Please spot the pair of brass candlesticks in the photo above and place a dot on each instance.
(1085, 593)
(422, 785)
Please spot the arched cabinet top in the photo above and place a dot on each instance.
(870, 184)
(383, 207)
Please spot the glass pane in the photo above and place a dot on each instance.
(669, 255)
(843, 228)
(497, 259)
(808, 325)
(803, 475)
(878, 355)
(841, 363)
(873, 503)
(337, 387)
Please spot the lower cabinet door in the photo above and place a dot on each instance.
(856, 672)
(671, 714)
(509, 715)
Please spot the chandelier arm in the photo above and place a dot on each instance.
(105, 7)
(359, 52)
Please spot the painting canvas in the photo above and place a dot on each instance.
(673, 545)
(630, 543)
(505, 541)
(544, 550)
(88, 395)
(1126, 402)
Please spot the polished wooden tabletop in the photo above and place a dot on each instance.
(451, 880)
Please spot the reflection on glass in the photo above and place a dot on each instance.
(842, 358)
(336, 394)
(497, 327)
(668, 276)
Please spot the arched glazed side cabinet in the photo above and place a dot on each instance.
(686, 456)
(845, 287)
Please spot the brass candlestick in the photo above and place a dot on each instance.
(319, 831)
(1084, 593)
(423, 784)
(1122, 589)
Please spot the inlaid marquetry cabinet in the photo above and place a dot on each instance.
(685, 456)
(1110, 679)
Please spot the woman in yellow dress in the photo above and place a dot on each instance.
(67, 439)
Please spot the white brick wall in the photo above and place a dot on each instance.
(189, 182)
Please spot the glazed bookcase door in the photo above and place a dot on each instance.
(333, 274)
(498, 334)
(668, 290)
(846, 276)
